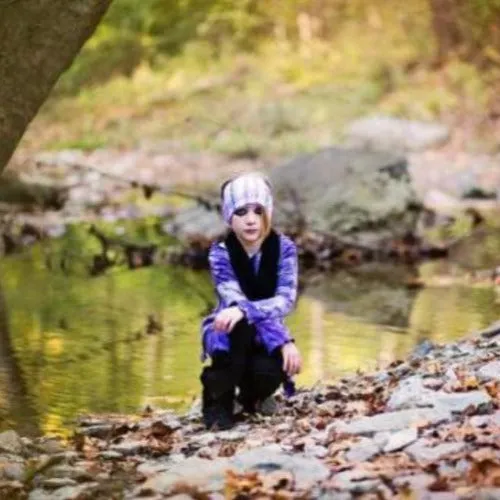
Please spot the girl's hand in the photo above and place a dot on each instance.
(227, 318)
(292, 361)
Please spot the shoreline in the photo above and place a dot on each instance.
(425, 427)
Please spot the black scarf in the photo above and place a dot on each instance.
(261, 285)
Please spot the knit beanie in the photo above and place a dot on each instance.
(245, 189)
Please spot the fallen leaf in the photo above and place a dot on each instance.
(278, 480)
(485, 473)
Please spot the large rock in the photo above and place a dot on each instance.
(357, 194)
(306, 471)
(424, 451)
(390, 421)
(395, 134)
(490, 371)
(10, 442)
(411, 393)
(209, 475)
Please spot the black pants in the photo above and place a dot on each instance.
(246, 366)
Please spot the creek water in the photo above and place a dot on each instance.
(71, 344)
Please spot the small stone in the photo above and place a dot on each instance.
(487, 494)
(51, 446)
(381, 377)
(410, 393)
(66, 456)
(357, 481)
(207, 452)
(391, 421)
(306, 471)
(231, 435)
(203, 440)
(55, 483)
(417, 482)
(421, 451)
(451, 375)
(284, 427)
(253, 443)
(66, 471)
(363, 450)
(485, 420)
(150, 468)
(10, 442)
(381, 438)
(64, 493)
(320, 437)
(401, 439)
(490, 371)
(208, 475)
(458, 402)
(463, 467)
(315, 451)
(491, 331)
(333, 495)
(128, 447)
(433, 383)
(176, 458)
(110, 455)
(425, 347)
(13, 471)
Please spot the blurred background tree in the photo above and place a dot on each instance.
(145, 30)
(289, 71)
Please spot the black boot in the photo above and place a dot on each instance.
(217, 413)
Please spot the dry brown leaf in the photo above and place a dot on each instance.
(278, 480)
(228, 449)
(183, 488)
(440, 484)
(241, 483)
(159, 429)
(483, 454)
(303, 425)
(485, 473)
(493, 389)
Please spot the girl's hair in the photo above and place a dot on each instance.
(266, 225)
(224, 184)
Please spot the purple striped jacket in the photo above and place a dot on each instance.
(267, 314)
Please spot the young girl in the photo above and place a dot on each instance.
(254, 271)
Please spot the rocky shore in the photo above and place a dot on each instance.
(425, 427)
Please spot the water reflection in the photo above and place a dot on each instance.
(71, 345)
(16, 408)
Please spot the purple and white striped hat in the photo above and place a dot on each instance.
(247, 188)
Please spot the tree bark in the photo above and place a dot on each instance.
(38, 41)
(445, 23)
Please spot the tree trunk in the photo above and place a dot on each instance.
(38, 41)
(445, 23)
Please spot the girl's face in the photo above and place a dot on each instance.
(248, 223)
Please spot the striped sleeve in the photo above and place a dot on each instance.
(226, 284)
